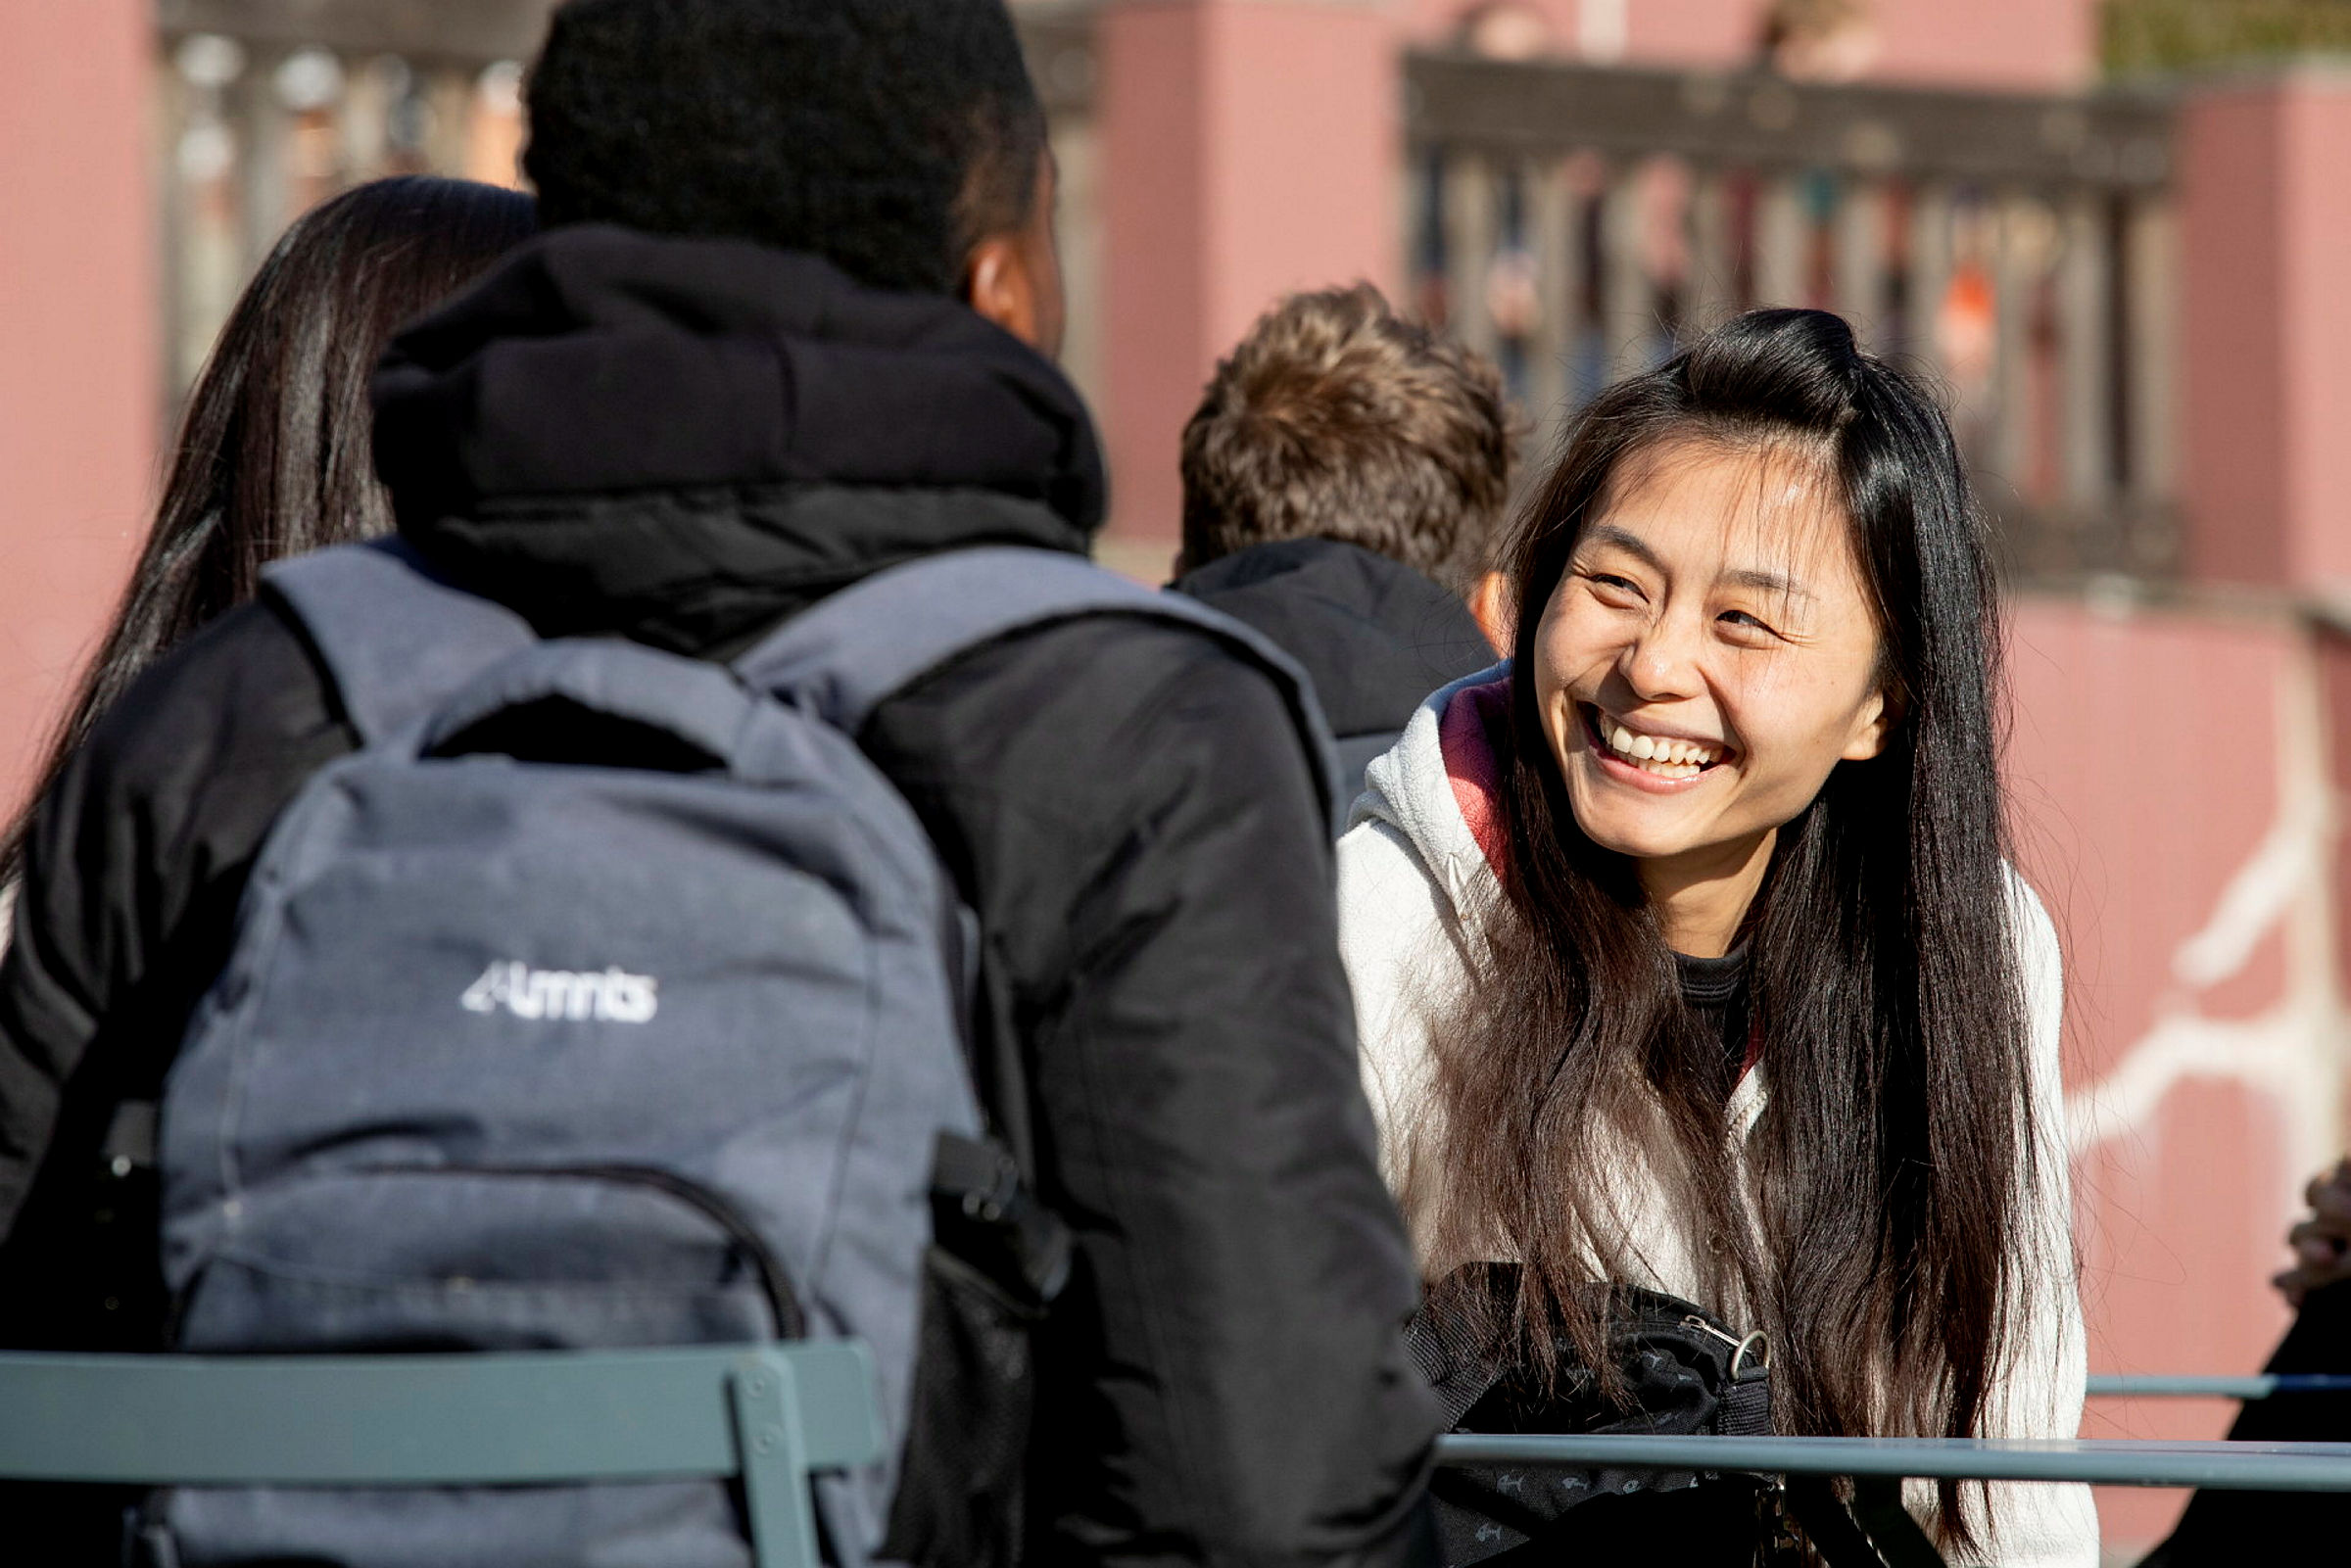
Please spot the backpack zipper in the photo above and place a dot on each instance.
(791, 1322)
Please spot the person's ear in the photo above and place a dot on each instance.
(1013, 278)
(999, 284)
(1872, 725)
(1493, 608)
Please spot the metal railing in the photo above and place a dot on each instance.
(2127, 1463)
(1872, 1526)
(1575, 220)
(268, 107)
(265, 108)
(2257, 1386)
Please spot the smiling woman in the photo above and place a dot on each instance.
(1709, 656)
(1688, 960)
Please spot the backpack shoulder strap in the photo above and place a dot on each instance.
(847, 653)
(395, 638)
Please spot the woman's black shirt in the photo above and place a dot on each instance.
(1714, 990)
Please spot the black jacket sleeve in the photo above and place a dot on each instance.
(1130, 810)
(133, 869)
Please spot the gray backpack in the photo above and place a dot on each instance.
(605, 998)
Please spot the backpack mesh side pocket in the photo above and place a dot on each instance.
(996, 1262)
(960, 1493)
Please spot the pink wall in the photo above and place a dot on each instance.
(78, 390)
(1678, 31)
(2026, 44)
(2235, 429)
(1255, 149)
(2318, 327)
(2191, 884)
(2265, 472)
(2205, 888)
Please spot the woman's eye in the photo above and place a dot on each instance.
(1744, 622)
(1613, 587)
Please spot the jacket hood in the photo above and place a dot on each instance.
(1374, 635)
(1439, 784)
(623, 430)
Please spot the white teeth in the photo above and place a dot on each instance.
(1666, 757)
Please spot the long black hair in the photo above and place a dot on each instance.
(1878, 1234)
(272, 456)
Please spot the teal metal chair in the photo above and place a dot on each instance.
(771, 1415)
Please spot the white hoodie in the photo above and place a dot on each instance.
(1412, 872)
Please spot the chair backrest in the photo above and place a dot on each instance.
(772, 1415)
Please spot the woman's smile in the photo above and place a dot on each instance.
(1645, 757)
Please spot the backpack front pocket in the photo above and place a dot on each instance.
(483, 1258)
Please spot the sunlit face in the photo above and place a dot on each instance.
(1709, 656)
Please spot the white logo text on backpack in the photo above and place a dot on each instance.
(609, 996)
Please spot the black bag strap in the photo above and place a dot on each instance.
(1875, 1532)
(1457, 1368)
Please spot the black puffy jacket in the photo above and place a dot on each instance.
(683, 443)
(1374, 635)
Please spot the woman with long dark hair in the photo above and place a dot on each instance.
(272, 456)
(1685, 947)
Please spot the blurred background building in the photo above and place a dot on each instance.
(2118, 234)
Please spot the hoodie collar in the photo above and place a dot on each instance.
(1439, 785)
(615, 425)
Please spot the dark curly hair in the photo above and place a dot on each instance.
(888, 136)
